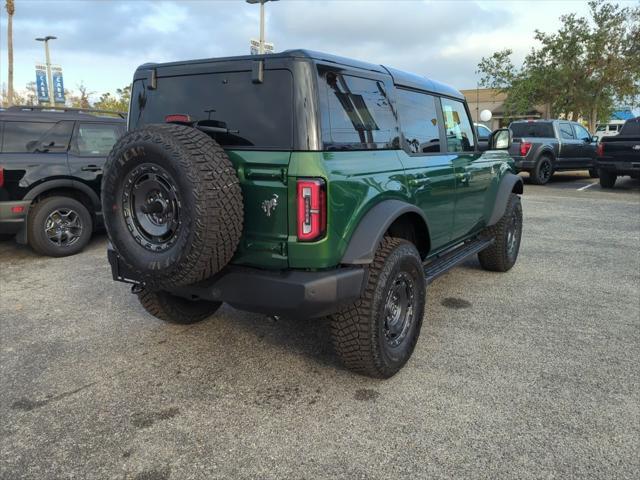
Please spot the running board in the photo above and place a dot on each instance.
(450, 259)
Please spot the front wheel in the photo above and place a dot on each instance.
(376, 335)
(502, 255)
(607, 179)
(173, 309)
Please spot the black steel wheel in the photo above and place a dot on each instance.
(59, 226)
(376, 335)
(507, 234)
(542, 171)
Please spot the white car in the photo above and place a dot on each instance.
(608, 129)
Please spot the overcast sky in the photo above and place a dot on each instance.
(101, 42)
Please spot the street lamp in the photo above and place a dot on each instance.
(48, 62)
(261, 2)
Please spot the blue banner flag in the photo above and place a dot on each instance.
(42, 86)
(58, 85)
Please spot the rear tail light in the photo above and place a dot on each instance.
(600, 149)
(524, 148)
(312, 209)
(1, 177)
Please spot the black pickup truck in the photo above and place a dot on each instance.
(619, 155)
(542, 147)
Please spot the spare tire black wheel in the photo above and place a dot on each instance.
(172, 204)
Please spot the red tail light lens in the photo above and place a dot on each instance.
(312, 209)
(524, 148)
(600, 149)
(177, 118)
(1, 177)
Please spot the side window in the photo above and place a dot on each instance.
(94, 139)
(358, 114)
(419, 121)
(24, 137)
(566, 132)
(457, 126)
(581, 133)
(483, 132)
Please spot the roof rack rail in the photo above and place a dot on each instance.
(65, 109)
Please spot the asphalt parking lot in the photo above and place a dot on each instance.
(529, 374)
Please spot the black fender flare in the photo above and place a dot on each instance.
(546, 150)
(369, 232)
(509, 183)
(64, 183)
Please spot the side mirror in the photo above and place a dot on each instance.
(594, 139)
(500, 139)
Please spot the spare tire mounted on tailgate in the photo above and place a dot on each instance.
(172, 204)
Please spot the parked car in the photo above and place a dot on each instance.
(483, 132)
(304, 184)
(50, 173)
(542, 147)
(620, 154)
(608, 129)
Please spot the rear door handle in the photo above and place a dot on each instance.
(91, 168)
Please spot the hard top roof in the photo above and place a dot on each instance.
(39, 114)
(400, 78)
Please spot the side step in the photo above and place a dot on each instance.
(451, 258)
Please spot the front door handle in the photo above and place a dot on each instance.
(91, 168)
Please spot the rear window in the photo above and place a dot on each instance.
(532, 129)
(631, 127)
(22, 137)
(356, 113)
(258, 115)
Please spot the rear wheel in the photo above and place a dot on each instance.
(171, 308)
(376, 335)
(543, 170)
(502, 255)
(59, 226)
(607, 178)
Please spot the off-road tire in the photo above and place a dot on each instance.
(593, 173)
(36, 226)
(174, 309)
(209, 205)
(607, 178)
(540, 175)
(499, 257)
(357, 330)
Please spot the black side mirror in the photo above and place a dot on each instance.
(500, 139)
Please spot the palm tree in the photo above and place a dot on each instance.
(11, 8)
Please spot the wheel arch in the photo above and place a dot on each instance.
(509, 184)
(66, 187)
(398, 218)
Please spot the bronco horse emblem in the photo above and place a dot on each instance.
(271, 204)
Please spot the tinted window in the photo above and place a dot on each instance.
(21, 137)
(95, 139)
(631, 127)
(419, 121)
(581, 133)
(357, 113)
(257, 115)
(566, 132)
(532, 129)
(457, 126)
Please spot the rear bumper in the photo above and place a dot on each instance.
(13, 216)
(619, 167)
(523, 164)
(289, 293)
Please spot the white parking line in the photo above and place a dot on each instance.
(587, 186)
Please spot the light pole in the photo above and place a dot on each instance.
(48, 62)
(261, 2)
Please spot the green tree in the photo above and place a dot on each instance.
(587, 67)
(118, 102)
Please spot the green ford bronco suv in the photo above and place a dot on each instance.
(304, 184)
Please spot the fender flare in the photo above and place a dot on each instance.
(369, 232)
(509, 184)
(546, 150)
(64, 183)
